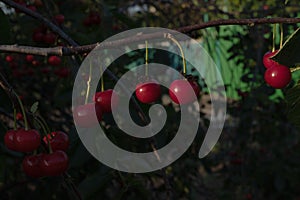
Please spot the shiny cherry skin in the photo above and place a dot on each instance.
(9, 139)
(58, 140)
(31, 165)
(22, 140)
(278, 76)
(105, 101)
(182, 89)
(148, 92)
(269, 62)
(29, 58)
(55, 163)
(83, 115)
(27, 140)
(54, 60)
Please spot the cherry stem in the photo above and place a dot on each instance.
(88, 84)
(45, 123)
(23, 111)
(102, 78)
(169, 36)
(281, 35)
(45, 133)
(146, 58)
(274, 37)
(295, 69)
(15, 118)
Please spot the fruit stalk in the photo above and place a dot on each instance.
(23, 111)
(102, 79)
(146, 58)
(274, 37)
(88, 84)
(181, 51)
(281, 35)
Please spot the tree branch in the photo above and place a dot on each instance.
(75, 49)
(42, 19)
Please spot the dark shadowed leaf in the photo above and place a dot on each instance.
(289, 55)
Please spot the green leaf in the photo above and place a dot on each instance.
(5, 29)
(34, 107)
(289, 55)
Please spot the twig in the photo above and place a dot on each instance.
(76, 49)
(42, 19)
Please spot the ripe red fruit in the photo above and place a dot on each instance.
(26, 141)
(59, 18)
(183, 91)
(9, 139)
(49, 38)
(148, 92)
(54, 60)
(19, 116)
(83, 115)
(54, 164)
(38, 36)
(32, 165)
(58, 140)
(22, 140)
(269, 62)
(278, 76)
(29, 58)
(104, 100)
(9, 58)
(62, 72)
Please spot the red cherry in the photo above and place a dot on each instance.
(104, 100)
(26, 141)
(54, 164)
(19, 116)
(38, 36)
(22, 140)
(278, 76)
(62, 72)
(58, 140)
(49, 38)
(9, 139)
(82, 115)
(269, 62)
(59, 18)
(9, 58)
(148, 92)
(29, 58)
(54, 60)
(32, 165)
(182, 89)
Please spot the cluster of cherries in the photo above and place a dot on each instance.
(278, 76)
(181, 91)
(33, 63)
(44, 164)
